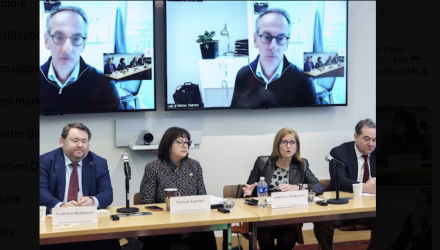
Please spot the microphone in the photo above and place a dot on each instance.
(127, 169)
(337, 201)
(330, 158)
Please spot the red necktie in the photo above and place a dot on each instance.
(73, 184)
(366, 169)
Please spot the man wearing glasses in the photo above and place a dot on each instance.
(67, 83)
(359, 156)
(271, 80)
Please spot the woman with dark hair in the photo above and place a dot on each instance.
(284, 170)
(174, 169)
(122, 65)
(319, 64)
(133, 62)
(329, 61)
(404, 140)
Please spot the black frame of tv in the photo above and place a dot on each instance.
(170, 105)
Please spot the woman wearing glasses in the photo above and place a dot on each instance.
(174, 169)
(271, 80)
(284, 170)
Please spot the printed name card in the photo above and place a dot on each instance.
(190, 204)
(290, 199)
(74, 215)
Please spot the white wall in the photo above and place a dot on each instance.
(232, 139)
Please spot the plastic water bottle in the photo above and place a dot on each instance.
(262, 193)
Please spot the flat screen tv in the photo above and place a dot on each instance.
(216, 59)
(106, 64)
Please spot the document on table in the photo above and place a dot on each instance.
(216, 200)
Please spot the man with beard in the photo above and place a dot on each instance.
(71, 176)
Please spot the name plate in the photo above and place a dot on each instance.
(190, 204)
(74, 215)
(290, 199)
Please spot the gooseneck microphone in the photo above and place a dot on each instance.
(330, 158)
(127, 171)
(336, 163)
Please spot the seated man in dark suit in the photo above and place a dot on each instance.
(360, 158)
(308, 65)
(109, 67)
(336, 59)
(71, 176)
(141, 61)
(417, 230)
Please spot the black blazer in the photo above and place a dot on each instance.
(298, 173)
(348, 176)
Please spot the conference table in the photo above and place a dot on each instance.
(124, 74)
(158, 223)
(163, 222)
(328, 71)
(363, 207)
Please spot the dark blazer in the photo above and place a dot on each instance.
(108, 68)
(95, 179)
(122, 66)
(423, 240)
(141, 61)
(308, 67)
(133, 64)
(298, 173)
(348, 176)
(319, 65)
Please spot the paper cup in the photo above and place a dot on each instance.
(357, 190)
(42, 214)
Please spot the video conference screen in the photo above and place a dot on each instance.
(227, 56)
(96, 57)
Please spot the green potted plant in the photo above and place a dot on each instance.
(208, 46)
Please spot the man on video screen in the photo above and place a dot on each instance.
(271, 80)
(67, 83)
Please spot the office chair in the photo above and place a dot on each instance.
(324, 87)
(176, 245)
(347, 226)
(129, 91)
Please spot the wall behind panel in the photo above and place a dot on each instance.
(232, 139)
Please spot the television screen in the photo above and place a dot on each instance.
(254, 55)
(96, 57)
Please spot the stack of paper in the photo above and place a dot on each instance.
(216, 200)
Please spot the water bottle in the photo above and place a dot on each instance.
(262, 193)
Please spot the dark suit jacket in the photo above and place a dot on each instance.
(422, 240)
(307, 67)
(95, 179)
(108, 68)
(141, 61)
(298, 173)
(348, 176)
